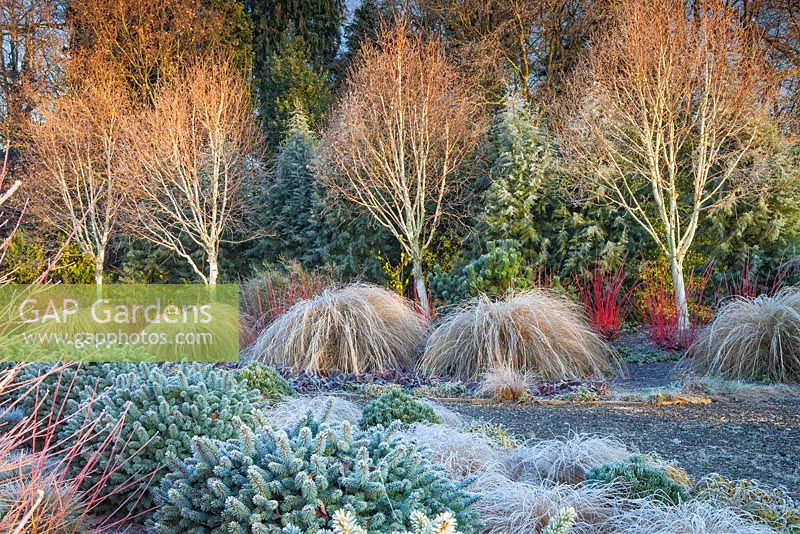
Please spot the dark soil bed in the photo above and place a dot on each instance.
(737, 439)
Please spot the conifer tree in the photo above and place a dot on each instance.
(288, 203)
(290, 81)
(295, 43)
(521, 161)
(363, 28)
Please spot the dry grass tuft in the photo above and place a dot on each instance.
(564, 461)
(756, 339)
(462, 454)
(509, 507)
(504, 383)
(738, 390)
(447, 416)
(292, 410)
(691, 517)
(354, 329)
(533, 332)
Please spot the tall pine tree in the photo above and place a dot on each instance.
(292, 82)
(363, 28)
(295, 43)
(521, 164)
(287, 204)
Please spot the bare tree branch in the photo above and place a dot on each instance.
(398, 138)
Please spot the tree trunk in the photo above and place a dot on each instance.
(213, 269)
(422, 292)
(99, 262)
(681, 304)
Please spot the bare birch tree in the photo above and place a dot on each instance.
(398, 138)
(78, 161)
(191, 155)
(666, 119)
(6, 192)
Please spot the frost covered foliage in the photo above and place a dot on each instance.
(692, 517)
(505, 238)
(510, 507)
(397, 406)
(504, 383)
(288, 202)
(637, 478)
(269, 480)
(22, 476)
(266, 380)
(496, 433)
(353, 329)
(522, 157)
(447, 416)
(163, 408)
(55, 386)
(499, 270)
(461, 453)
(563, 522)
(292, 411)
(344, 522)
(770, 506)
(564, 461)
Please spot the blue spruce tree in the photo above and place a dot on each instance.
(287, 204)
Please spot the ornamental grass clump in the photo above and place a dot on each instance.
(564, 461)
(534, 332)
(752, 339)
(293, 480)
(397, 406)
(509, 507)
(691, 517)
(462, 453)
(773, 507)
(292, 410)
(353, 329)
(160, 409)
(504, 383)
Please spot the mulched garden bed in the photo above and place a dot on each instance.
(737, 439)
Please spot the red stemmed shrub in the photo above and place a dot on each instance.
(606, 299)
(659, 312)
(39, 491)
(748, 284)
(268, 295)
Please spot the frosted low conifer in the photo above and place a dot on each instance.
(314, 478)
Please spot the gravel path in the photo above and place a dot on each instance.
(737, 439)
(645, 375)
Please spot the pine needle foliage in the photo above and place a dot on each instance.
(563, 522)
(54, 388)
(266, 380)
(278, 481)
(162, 409)
(637, 478)
(397, 406)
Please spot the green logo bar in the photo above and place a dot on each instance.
(112, 323)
